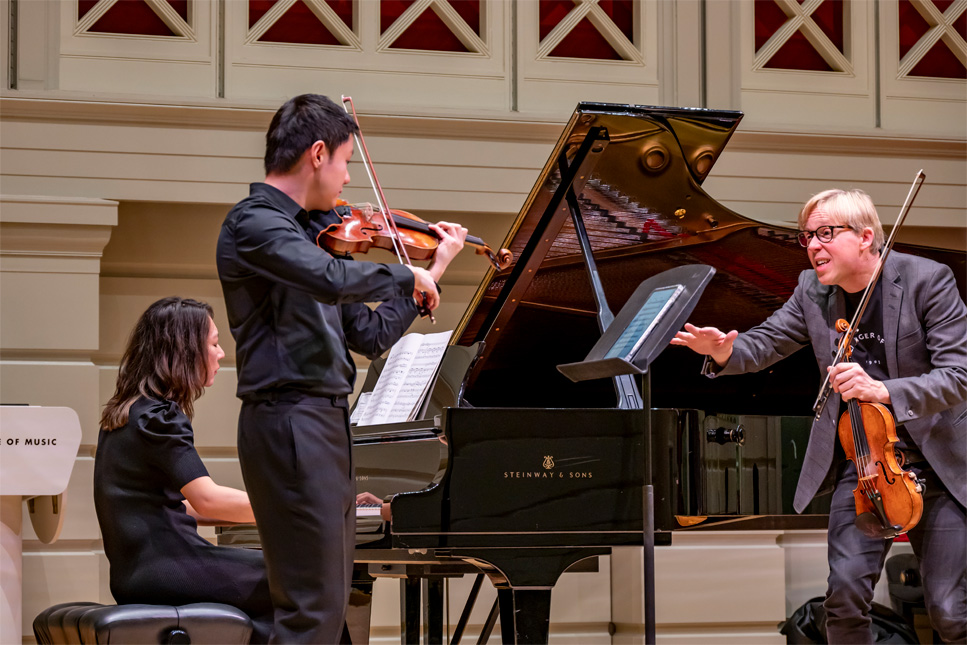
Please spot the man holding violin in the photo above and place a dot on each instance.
(295, 312)
(910, 354)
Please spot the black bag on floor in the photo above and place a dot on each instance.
(808, 625)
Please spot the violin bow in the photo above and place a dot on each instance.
(398, 247)
(847, 339)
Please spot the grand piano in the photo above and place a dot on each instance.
(517, 472)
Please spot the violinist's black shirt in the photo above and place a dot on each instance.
(295, 311)
(869, 344)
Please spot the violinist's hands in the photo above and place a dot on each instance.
(369, 498)
(425, 287)
(852, 382)
(707, 340)
(452, 238)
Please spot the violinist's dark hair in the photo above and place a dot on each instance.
(166, 358)
(299, 123)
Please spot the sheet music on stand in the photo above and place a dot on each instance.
(403, 387)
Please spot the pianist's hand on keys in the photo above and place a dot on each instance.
(368, 505)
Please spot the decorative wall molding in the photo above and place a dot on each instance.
(375, 63)
(54, 234)
(931, 104)
(39, 106)
(844, 94)
(50, 252)
(800, 19)
(183, 62)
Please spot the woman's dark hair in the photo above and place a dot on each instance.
(166, 358)
(299, 123)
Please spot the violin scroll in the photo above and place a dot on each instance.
(845, 342)
(501, 259)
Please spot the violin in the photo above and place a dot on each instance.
(889, 500)
(388, 225)
(364, 226)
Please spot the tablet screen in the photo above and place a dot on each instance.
(658, 303)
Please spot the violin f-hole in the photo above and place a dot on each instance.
(886, 476)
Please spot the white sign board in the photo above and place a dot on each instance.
(38, 446)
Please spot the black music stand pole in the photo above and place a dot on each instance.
(648, 517)
(640, 332)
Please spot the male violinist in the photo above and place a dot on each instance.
(910, 354)
(295, 312)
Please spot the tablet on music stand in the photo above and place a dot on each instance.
(643, 328)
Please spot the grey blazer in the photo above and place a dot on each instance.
(925, 328)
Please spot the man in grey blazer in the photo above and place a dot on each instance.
(910, 353)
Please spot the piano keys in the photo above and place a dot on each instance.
(368, 510)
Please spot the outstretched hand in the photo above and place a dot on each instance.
(709, 341)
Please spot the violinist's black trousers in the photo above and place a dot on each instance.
(296, 460)
(855, 561)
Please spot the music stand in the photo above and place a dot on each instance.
(640, 332)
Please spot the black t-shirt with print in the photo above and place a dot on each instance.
(869, 344)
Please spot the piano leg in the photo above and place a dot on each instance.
(525, 615)
(433, 611)
(421, 598)
(524, 579)
(410, 610)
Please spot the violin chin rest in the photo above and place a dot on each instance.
(870, 526)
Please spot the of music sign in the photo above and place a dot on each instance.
(38, 446)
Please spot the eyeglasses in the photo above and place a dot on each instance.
(824, 233)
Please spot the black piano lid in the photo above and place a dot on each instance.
(638, 184)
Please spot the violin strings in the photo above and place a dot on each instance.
(423, 227)
(861, 450)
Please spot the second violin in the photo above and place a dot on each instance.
(889, 499)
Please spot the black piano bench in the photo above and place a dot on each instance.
(86, 623)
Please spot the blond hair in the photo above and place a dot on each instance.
(852, 208)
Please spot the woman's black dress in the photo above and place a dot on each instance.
(152, 544)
